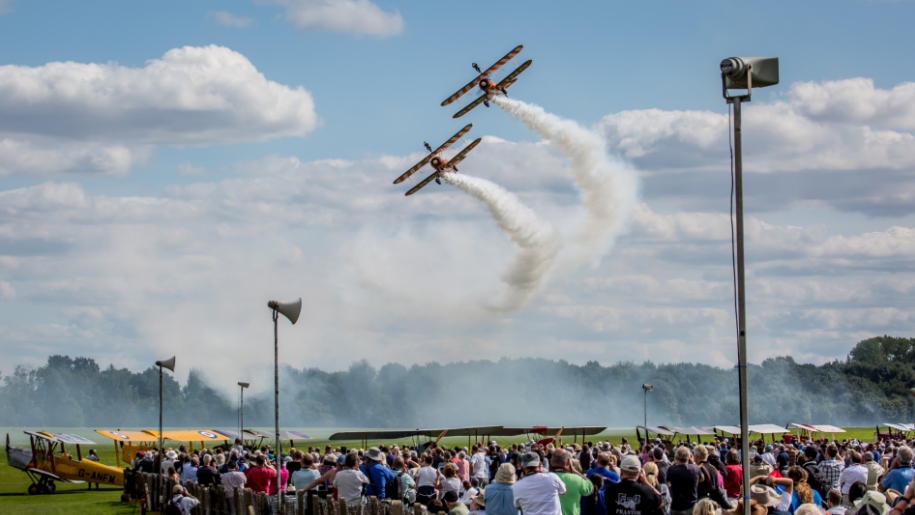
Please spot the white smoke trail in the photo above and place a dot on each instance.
(609, 186)
(539, 243)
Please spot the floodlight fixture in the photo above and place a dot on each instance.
(169, 364)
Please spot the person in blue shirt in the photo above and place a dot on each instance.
(802, 493)
(378, 474)
(900, 474)
(499, 496)
(603, 469)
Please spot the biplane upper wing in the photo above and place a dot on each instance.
(513, 76)
(470, 85)
(384, 434)
(422, 184)
(470, 106)
(501, 62)
(428, 158)
(126, 436)
(186, 435)
(460, 157)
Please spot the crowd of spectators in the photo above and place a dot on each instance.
(652, 478)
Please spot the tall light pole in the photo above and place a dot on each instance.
(646, 388)
(291, 311)
(169, 364)
(743, 73)
(241, 410)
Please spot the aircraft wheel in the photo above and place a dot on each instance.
(43, 489)
(33, 490)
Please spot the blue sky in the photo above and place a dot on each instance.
(125, 213)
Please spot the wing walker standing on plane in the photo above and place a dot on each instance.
(438, 162)
(487, 85)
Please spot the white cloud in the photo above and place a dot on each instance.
(6, 291)
(102, 118)
(191, 170)
(227, 19)
(842, 128)
(352, 16)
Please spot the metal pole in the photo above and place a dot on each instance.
(646, 415)
(276, 407)
(160, 411)
(241, 432)
(741, 306)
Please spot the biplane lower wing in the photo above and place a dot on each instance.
(428, 158)
(513, 76)
(470, 106)
(460, 157)
(421, 185)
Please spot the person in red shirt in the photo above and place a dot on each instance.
(284, 480)
(733, 482)
(259, 477)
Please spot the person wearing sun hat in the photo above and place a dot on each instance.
(498, 496)
(378, 475)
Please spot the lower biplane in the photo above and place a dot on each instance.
(438, 162)
(488, 86)
(44, 468)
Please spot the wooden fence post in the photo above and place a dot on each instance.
(396, 508)
(373, 505)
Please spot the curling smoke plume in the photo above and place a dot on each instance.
(609, 187)
(538, 241)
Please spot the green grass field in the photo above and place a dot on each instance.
(76, 499)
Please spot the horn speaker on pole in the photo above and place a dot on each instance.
(168, 363)
(289, 310)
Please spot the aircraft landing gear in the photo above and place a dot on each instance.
(44, 485)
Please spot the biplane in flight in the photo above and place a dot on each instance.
(44, 468)
(438, 162)
(488, 86)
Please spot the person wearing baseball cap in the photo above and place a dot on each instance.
(537, 493)
(633, 495)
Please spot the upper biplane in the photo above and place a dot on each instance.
(44, 468)
(487, 85)
(438, 162)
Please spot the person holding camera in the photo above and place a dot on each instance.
(181, 502)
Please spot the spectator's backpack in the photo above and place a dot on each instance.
(813, 477)
(173, 507)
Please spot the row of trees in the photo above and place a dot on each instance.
(871, 385)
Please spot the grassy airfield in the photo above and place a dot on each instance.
(75, 498)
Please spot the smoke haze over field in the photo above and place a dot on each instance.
(76, 392)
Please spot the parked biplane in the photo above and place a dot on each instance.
(890, 434)
(807, 432)
(44, 468)
(439, 163)
(489, 87)
(416, 435)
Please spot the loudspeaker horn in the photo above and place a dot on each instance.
(289, 310)
(168, 363)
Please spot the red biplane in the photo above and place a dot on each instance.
(438, 162)
(488, 86)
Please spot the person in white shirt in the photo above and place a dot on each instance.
(834, 501)
(537, 493)
(169, 461)
(478, 468)
(233, 478)
(852, 473)
(350, 480)
(183, 500)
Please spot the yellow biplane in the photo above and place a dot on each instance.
(44, 468)
(132, 442)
